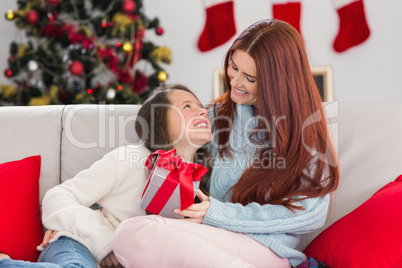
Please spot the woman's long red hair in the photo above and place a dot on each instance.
(285, 90)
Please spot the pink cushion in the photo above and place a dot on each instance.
(20, 224)
(369, 236)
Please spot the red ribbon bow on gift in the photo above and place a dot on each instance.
(181, 172)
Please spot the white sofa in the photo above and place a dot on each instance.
(368, 138)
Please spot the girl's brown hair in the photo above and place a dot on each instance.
(152, 128)
(286, 90)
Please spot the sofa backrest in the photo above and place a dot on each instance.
(27, 131)
(69, 138)
(90, 131)
(367, 136)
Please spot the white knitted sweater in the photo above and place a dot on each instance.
(115, 183)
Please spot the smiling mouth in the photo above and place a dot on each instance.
(201, 125)
(240, 92)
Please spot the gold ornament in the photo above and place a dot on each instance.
(10, 14)
(37, 101)
(121, 22)
(127, 47)
(47, 98)
(8, 91)
(161, 54)
(84, 98)
(22, 50)
(85, 30)
(162, 76)
(54, 92)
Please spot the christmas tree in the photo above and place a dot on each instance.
(83, 51)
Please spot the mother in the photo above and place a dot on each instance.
(274, 166)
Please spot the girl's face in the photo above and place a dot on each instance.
(187, 120)
(242, 72)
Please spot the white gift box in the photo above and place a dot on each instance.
(153, 185)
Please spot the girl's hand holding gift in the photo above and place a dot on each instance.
(196, 212)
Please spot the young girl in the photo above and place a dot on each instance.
(273, 167)
(171, 118)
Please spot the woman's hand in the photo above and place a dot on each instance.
(49, 234)
(196, 212)
(110, 261)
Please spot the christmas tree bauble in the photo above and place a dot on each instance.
(8, 73)
(10, 14)
(76, 68)
(32, 17)
(104, 23)
(162, 76)
(128, 6)
(110, 94)
(32, 65)
(63, 95)
(127, 47)
(159, 30)
(51, 16)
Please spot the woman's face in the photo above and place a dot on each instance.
(188, 121)
(242, 72)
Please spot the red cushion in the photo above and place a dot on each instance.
(21, 228)
(369, 236)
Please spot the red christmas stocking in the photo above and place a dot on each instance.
(219, 26)
(353, 28)
(288, 11)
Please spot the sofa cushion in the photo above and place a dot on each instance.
(369, 236)
(33, 130)
(21, 228)
(369, 151)
(91, 131)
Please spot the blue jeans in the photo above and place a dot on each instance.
(8, 263)
(65, 252)
(68, 253)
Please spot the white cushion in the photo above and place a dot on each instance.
(33, 130)
(90, 131)
(369, 141)
(370, 152)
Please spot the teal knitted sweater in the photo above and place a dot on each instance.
(275, 226)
